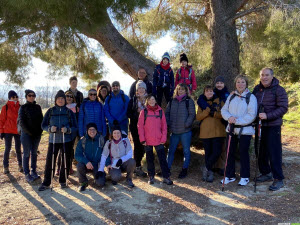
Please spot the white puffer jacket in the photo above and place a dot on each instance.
(239, 109)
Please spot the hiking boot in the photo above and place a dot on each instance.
(228, 180)
(210, 176)
(83, 187)
(244, 181)
(114, 182)
(151, 180)
(29, 178)
(277, 184)
(5, 170)
(204, 173)
(129, 183)
(21, 169)
(63, 185)
(57, 172)
(43, 187)
(34, 175)
(167, 181)
(264, 178)
(139, 172)
(183, 173)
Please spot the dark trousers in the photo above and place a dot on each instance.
(71, 155)
(213, 149)
(270, 152)
(30, 147)
(128, 166)
(163, 91)
(162, 160)
(244, 143)
(138, 147)
(8, 143)
(82, 171)
(57, 147)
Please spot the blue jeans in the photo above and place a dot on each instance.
(30, 147)
(8, 142)
(185, 139)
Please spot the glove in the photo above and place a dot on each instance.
(2, 136)
(99, 174)
(115, 122)
(119, 163)
(53, 129)
(64, 129)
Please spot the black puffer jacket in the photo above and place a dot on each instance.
(30, 119)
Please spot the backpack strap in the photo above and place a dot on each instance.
(145, 115)
(109, 148)
(187, 103)
(160, 113)
(248, 95)
(124, 143)
(83, 143)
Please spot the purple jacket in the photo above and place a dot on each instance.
(275, 105)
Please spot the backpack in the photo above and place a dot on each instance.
(146, 115)
(186, 103)
(101, 142)
(247, 97)
(186, 78)
(122, 95)
(109, 147)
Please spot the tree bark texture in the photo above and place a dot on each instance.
(120, 50)
(225, 46)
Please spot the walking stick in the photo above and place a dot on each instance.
(65, 160)
(231, 127)
(52, 169)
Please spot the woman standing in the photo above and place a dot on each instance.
(180, 114)
(136, 104)
(102, 93)
(240, 111)
(30, 119)
(9, 130)
(61, 123)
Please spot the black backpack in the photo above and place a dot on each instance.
(187, 104)
(247, 97)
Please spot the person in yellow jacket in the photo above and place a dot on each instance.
(212, 131)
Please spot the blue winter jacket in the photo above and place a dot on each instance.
(91, 151)
(60, 116)
(161, 76)
(91, 112)
(117, 108)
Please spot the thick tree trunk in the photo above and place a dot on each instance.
(119, 49)
(225, 46)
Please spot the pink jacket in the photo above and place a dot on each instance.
(154, 131)
(184, 78)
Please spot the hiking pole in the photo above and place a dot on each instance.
(52, 169)
(65, 160)
(231, 127)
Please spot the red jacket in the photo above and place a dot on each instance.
(184, 78)
(154, 131)
(8, 118)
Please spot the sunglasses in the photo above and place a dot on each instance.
(31, 96)
(15, 97)
(69, 96)
(92, 94)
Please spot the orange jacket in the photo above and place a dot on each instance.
(8, 118)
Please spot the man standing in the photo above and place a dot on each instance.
(273, 104)
(73, 87)
(142, 75)
(115, 108)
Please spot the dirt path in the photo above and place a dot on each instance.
(188, 201)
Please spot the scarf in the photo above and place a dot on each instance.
(152, 108)
(117, 141)
(164, 67)
(180, 97)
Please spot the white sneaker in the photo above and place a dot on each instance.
(228, 180)
(244, 181)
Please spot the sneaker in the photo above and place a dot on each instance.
(151, 180)
(83, 187)
(21, 169)
(34, 175)
(129, 183)
(63, 185)
(204, 173)
(43, 187)
(5, 170)
(244, 181)
(183, 173)
(167, 181)
(228, 180)
(277, 184)
(139, 172)
(210, 176)
(57, 172)
(264, 178)
(29, 178)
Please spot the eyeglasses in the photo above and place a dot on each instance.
(91, 129)
(92, 94)
(69, 96)
(31, 96)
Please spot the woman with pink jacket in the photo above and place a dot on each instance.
(152, 128)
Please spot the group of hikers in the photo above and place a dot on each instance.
(96, 128)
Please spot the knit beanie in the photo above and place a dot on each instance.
(115, 83)
(28, 91)
(141, 84)
(11, 94)
(166, 55)
(60, 93)
(116, 127)
(219, 79)
(89, 125)
(183, 57)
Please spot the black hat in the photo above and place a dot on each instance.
(28, 91)
(60, 93)
(219, 79)
(183, 57)
(89, 125)
(11, 94)
(116, 127)
(116, 83)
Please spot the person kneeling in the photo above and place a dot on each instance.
(88, 155)
(120, 152)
